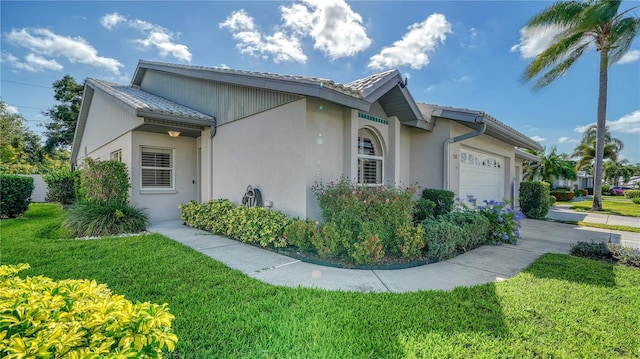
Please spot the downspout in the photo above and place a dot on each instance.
(445, 173)
(212, 133)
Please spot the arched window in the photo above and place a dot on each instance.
(370, 158)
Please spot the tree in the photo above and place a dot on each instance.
(64, 115)
(550, 167)
(583, 24)
(613, 171)
(586, 150)
(20, 150)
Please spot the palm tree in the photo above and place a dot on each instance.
(550, 167)
(584, 23)
(586, 150)
(613, 171)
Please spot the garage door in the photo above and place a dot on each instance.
(481, 175)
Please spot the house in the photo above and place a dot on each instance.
(583, 180)
(198, 133)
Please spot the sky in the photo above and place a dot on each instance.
(468, 54)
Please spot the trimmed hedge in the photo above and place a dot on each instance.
(15, 194)
(632, 193)
(61, 187)
(44, 318)
(534, 199)
(607, 251)
(442, 198)
(562, 195)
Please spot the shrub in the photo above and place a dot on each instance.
(578, 193)
(409, 241)
(552, 200)
(15, 194)
(442, 198)
(300, 232)
(368, 248)
(440, 237)
(258, 225)
(625, 255)
(475, 229)
(89, 219)
(77, 319)
(423, 209)
(350, 206)
(330, 240)
(591, 250)
(504, 221)
(104, 181)
(605, 189)
(210, 216)
(60, 187)
(562, 195)
(632, 193)
(589, 190)
(534, 199)
(635, 200)
(585, 192)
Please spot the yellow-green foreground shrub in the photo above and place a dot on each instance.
(43, 318)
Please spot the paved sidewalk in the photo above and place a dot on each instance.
(564, 213)
(482, 265)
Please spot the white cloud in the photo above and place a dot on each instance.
(337, 30)
(280, 46)
(414, 47)
(629, 57)
(629, 123)
(538, 138)
(157, 36)
(31, 63)
(11, 109)
(111, 20)
(463, 78)
(533, 41)
(567, 140)
(581, 129)
(42, 41)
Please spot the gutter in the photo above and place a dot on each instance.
(445, 173)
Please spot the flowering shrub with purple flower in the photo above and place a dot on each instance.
(504, 220)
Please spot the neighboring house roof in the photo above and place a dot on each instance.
(526, 156)
(388, 88)
(144, 104)
(472, 118)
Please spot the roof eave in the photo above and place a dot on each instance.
(511, 136)
(145, 113)
(384, 86)
(87, 97)
(526, 156)
(273, 84)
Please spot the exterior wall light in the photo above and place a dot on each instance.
(174, 133)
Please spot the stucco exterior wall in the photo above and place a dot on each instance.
(427, 155)
(163, 204)
(107, 119)
(486, 144)
(266, 151)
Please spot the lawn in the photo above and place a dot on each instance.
(561, 306)
(610, 204)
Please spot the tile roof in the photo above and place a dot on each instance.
(142, 100)
(357, 88)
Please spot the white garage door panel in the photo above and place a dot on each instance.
(481, 175)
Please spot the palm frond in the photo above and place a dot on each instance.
(622, 35)
(561, 13)
(554, 53)
(562, 67)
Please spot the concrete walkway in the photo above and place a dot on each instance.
(482, 265)
(564, 213)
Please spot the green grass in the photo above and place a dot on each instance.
(561, 306)
(611, 205)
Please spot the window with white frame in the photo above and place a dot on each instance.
(370, 158)
(157, 168)
(116, 155)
